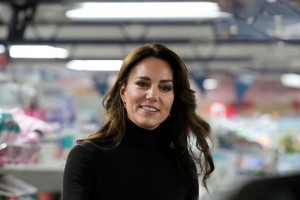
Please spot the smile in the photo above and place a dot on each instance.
(149, 109)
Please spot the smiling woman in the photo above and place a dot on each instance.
(142, 149)
(148, 96)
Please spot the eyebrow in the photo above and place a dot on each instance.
(148, 79)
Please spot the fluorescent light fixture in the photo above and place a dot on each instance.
(290, 80)
(2, 48)
(37, 51)
(146, 10)
(95, 65)
(210, 84)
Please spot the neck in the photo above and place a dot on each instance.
(140, 138)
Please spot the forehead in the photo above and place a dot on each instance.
(152, 66)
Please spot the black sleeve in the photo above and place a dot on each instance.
(78, 175)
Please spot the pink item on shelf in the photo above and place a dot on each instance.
(25, 148)
(36, 113)
(31, 129)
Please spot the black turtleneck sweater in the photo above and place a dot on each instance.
(142, 167)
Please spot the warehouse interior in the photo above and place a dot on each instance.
(243, 59)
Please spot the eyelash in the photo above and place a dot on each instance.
(142, 84)
(165, 88)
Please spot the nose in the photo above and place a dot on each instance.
(152, 95)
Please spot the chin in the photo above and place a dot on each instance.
(148, 125)
(151, 127)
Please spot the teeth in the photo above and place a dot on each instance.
(149, 109)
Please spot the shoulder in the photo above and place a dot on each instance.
(86, 147)
(83, 156)
(91, 152)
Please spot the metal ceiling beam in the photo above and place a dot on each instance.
(186, 59)
(23, 14)
(132, 0)
(207, 22)
(257, 41)
(208, 69)
(99, 41)
(38, 1)
(80, 41)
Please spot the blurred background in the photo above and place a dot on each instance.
(59, 57)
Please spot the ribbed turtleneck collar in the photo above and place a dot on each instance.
(139, 138)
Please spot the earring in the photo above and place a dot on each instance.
(124, 104)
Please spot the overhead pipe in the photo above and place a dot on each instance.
(22, 15)
(143, 41)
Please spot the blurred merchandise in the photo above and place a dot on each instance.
(20, 137)
(48, 196)
(251, 148)
(288, 163)
(63, 113)
(12, 188)
(9, 129)
(32, 129)
(18, 153)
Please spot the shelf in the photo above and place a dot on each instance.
(36, 168)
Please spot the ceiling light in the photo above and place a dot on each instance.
(2, 48)
(37, 51)
(146, 11)
(290, 80)
(95, 65)
(210, 84)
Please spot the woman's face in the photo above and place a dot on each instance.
(149, 93)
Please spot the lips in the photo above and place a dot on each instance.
(148, 108)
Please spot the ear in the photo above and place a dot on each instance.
(122, 92)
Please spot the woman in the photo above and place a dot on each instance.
(142, 151)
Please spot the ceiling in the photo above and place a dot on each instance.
(261, 36)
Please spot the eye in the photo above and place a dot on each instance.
(142, 84)
(166, 88)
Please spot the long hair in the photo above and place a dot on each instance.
(182, 122)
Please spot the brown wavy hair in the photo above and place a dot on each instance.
(183, 121)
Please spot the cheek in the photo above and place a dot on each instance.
(169, 104)
(132, 97)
